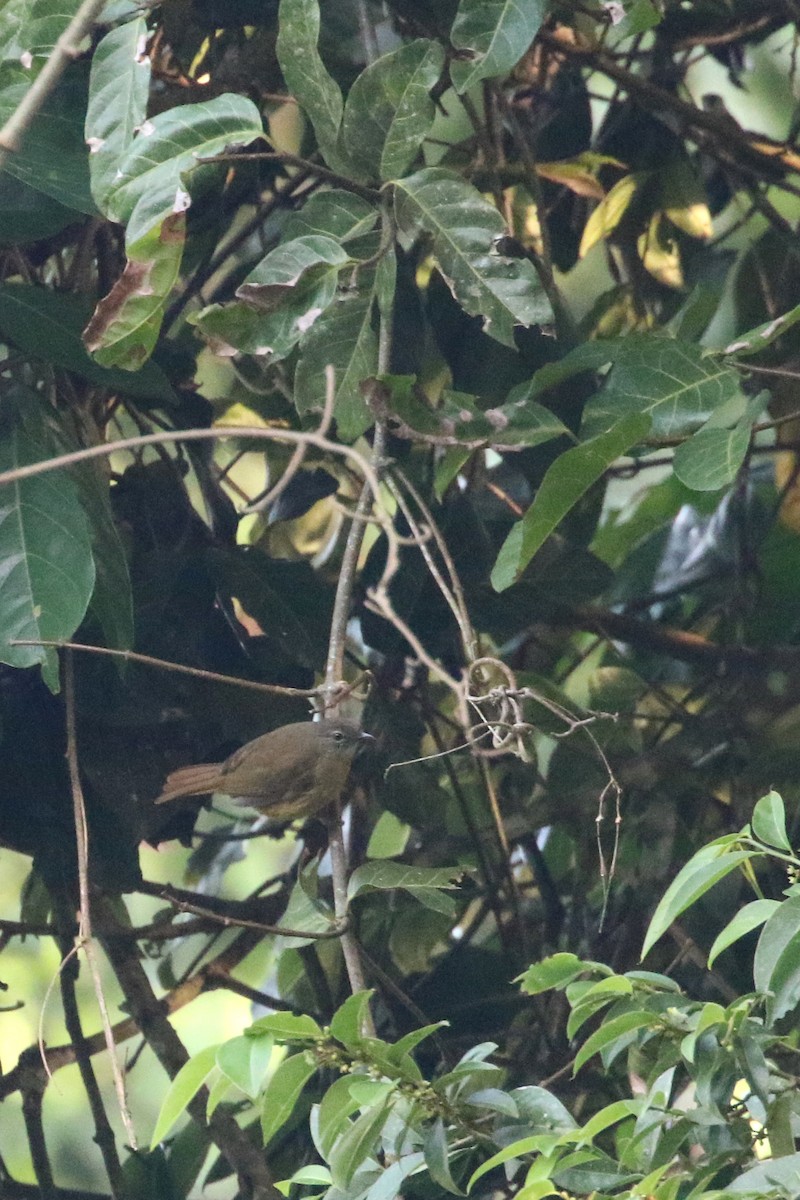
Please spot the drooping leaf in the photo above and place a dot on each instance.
(125, 325)
(183, 1088)
(387, 875)
(464, 230)
(118, 91)
(746, 920)
(776, 965)
(702, 871)
(769, 821)
(151, 191)
(356, 1144)
(492, 36)
(389, 110)
(437, 1157)
(47, 571)
(283, 1091)
(569, 478)
(345, 339)
(303, 259)
(609, 212)
(307, 78)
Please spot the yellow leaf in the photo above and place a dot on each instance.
(609, 212)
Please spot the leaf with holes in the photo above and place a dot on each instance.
(464, 230)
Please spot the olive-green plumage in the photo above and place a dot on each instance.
(295, 771)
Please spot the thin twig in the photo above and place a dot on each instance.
(334, 667)
(295, 462)
(85, 939)
(162, 664)
(217, 432)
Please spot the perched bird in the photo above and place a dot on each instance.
(294, 771)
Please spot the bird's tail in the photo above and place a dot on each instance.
(191, 781)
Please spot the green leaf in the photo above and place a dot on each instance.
(53, 158)
(553, 972)
(776, 965)
(284, 597)
(437, 1157)
(492, 35)
(282, 1092)
(610, 1031)
(410, 1041)
(458, 420)
(245, 1061)
(569, 478)
(27, 215)
(674, 382)
(47, 571)
(287, 1027)
(527, 1145)
(464, 230)
(600, 994)
(387, 875)
(150, 193)
(712, 457)
(337, 1104)
(769, 821)
(702, 871)
(389, 110)
(336, 214)
(118, 90)
(357, 1143)
(343, 338)
(32, 26)
(280, 273)
(313, 88)
(160, 162)
(184, 1087)
(112, 600)
(755, 340)
(47, 324)
(315, 1173)
(347, 1023)
(389, 837)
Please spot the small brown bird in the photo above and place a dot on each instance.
(294, 771)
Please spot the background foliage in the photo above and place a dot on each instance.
(515, 286)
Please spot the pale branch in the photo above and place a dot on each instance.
(65, 51)
(85, 937)
(216, 433)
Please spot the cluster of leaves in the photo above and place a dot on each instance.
(255, 246)
(714, 1083)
